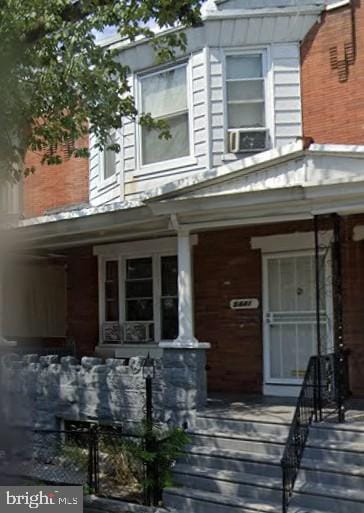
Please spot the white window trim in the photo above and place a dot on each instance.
(116, 177)
(155, 249)
(268, 92)
(165, 165)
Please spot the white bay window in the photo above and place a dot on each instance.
(164, 96)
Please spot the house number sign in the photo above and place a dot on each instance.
(244, 304)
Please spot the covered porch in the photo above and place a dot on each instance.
(217, 265)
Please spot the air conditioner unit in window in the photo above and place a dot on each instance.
(138, 332)
(247, 140)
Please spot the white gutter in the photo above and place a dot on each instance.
(337, 5)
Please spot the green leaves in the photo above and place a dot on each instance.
(58, 85)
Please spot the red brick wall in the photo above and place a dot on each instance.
(54, 186)
(353, 301)
(333, 100)
(82, 299)
(227, 268)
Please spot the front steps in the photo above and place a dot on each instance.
(233, 466)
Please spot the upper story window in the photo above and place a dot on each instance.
(164, 95)
(109, 159)
(245, 91)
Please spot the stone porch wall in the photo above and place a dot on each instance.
(39, 391)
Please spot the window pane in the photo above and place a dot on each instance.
(110, 159)
(138, 268)
(139, 310)
(249, 115)
(111, 291)
(165, 93)
(112, 311)
(112, 270)
(139, 288)
(169, 275)
(169, 315)
(157, 150)
(241, 91)
(244, 66)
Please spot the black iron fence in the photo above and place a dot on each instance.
(103, 459)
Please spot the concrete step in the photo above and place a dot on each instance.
(195, 501)
(257, 443)
(335, 433)
(331, 474)
(240, 426)
(339, 453)
(229, 483)
(235, 461)
(328, 498)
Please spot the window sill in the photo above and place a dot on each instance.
(166, 165)
(231, 157)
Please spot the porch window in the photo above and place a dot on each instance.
(111, 291)
(164, 96)
(141, 299)
(245, 91)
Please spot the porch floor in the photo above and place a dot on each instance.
(280, 410)
(251, 407)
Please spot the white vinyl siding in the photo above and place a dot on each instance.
(208, 120)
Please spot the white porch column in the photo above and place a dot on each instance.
(185, 292)
(186, 337)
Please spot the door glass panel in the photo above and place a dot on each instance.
(289, 351)
(274, 285)
(288, 285)
(305, 283)
(275, 352)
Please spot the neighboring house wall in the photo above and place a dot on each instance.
(55, 187)
(82, 300)
(35, 306)
(353, 303)
(333, 92)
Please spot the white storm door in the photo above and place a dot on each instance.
(290, 315)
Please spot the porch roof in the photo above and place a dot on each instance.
(283, 184)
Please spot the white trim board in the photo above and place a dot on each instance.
(288, 241)
(146, 246)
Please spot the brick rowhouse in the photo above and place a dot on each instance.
(332, 60)
(53, 187)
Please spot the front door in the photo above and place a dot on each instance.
(290, 336)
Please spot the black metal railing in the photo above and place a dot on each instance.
(306, 410)
(324, 388)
